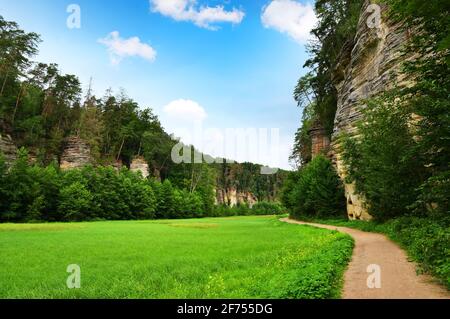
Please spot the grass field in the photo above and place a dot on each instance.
(240, 257)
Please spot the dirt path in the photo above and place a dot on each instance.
(398, 276)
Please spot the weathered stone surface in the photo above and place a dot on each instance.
(140, 165)
(8, 149)
(77, 154)
(370, 67)
(232, 197)
(319, 139)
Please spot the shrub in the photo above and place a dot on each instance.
(34, 193)
(383, 160)
(434, 197)
(267, 208)
(318, 190)
(427, 241)
(75, 202)
(188, 204)
(166, 202)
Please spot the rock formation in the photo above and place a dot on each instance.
(232, 197)
(77, 153)
(8, 149)
(140, 165)
(320, 140)
(367, 67)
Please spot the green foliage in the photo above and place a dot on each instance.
(247, 177)
(315, 190)
(382, 160)
(401, 160)
(166, 201)
(267, 208)
(75, 201)
(426, 241)
(434, 196)
(428, 96)
(316, 91)
(244, 209)
(40, 108)
(302, 151)
(188, 205)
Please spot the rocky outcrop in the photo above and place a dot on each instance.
(369, 66)
(8, 149)
(232, 197)
(320, 141)
(76, 154)
(139, 165)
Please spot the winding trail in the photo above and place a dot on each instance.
(398, 276)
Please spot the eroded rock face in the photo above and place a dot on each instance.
(320, 141)
(140, 165)
(232, 197)
(77, 154)
(8, 149)
(371, 66)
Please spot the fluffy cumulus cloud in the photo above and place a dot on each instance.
(120, 48)
(185, 110)
(202, 16)
(290, 17)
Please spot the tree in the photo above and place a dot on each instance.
(16, 48)
(165, 195)
(383, 160)
(75, 202)
(90, 126)
(316, 190)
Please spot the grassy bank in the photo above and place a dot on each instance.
(238, 257)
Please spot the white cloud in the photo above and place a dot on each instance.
(185, 110)
(290, 17)
(120, 48)
(202, 16)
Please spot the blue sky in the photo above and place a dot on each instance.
(235, 62)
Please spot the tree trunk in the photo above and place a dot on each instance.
(17, 102)
(4, 83)
(120, 149)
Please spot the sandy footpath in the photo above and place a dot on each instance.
(398, 276)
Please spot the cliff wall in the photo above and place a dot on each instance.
(372, 65)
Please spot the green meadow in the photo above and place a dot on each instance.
(238, 257)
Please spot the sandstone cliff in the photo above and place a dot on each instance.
(232, 197)
(8, 149)
(139, 165)
(369, 65)
(76, 154)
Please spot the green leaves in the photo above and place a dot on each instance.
(315, 190)
(382, 160)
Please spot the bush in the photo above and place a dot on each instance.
(267, 208)
(434, 197)
(189, 205)
(75, 202)
(315, 191)
(166, 201)
(427, 241)
(35, 193)
(383, 160)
